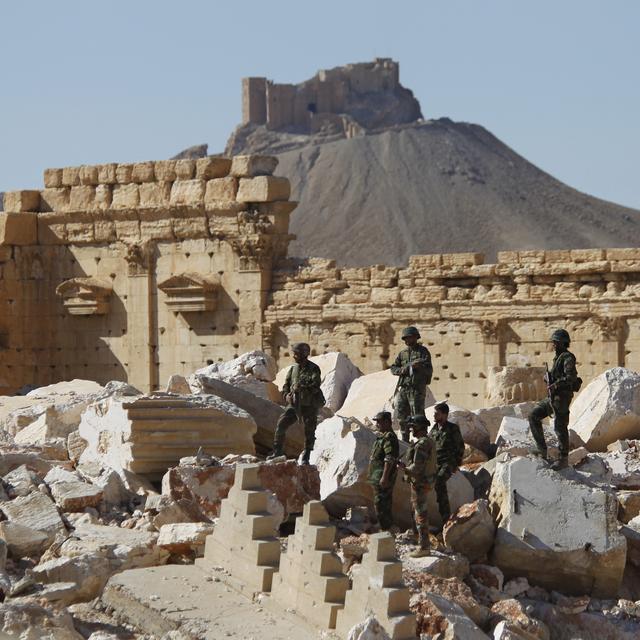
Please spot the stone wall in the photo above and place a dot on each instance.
(138, 271)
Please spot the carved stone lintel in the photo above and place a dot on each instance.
(610, 328)
(85, 296)
(190, 292)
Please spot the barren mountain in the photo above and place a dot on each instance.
(433, 187)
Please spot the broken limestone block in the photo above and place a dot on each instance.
(378, 589)
(178, 384)
(23, 541)
(441, 565)
(129, 548)
(169, 511)
(244, 540)
(21, 481)
(623, 467)
(263, 189)
(558, 533)
(607, 409)
(252, 371)
(29, 620)
(628, 505)
(76, 444)
(369, 629)
(310, 578)
(471, 531)
(492, 417)
(372, 393)
(76, 496)
(21, 201)
(440, 617)
(471, 427)
(341, 455)
(251, 166)
(511, 385)
(35, 511)
(184, 537)
(337, 373)
(514, 438)
(511, 621)
(148, 435)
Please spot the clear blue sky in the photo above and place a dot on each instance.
(89, 82)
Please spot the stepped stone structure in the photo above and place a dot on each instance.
(140, 271)
(378, 590)
(244, 541)
(310, 578)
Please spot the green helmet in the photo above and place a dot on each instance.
(410, 331)
(419, 422)
(560, 335)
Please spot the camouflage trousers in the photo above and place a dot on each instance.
(383, 503)
(408, 402)
(545, 408)
(442, 496)
(309, 418)
(419, 505)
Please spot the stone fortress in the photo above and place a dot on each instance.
(138, 271)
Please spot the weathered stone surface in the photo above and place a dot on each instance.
(23, 541)
(254, 165)
(18, 229)
(21, 201)
(558, 533)
(369, 629)
(32, 622)
(471, 531)
(510, 620)
(607, 409)
(184, 537)
(178, 384)
(223, 189)
(439, 617)
(76, 444)
(36, 511)
(514, 438)
(620, 468)
(337, 373)
(511, 385)
(628, 505)
(492, 417)
(292, 487)
(21, 481)
(341, 454)
(189, 192)
(263, 189)
(76, 496)
(212, 167)
(440, 565)
(119, 437)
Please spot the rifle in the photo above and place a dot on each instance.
(549, 381)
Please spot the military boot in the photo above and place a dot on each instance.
(424, 546)
(542, 455)
(561, 463)
(305, 457)
(276, 453)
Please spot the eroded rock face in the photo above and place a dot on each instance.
(31, 621)
(558, 533)
(36, 511)
(492, 416)
(511, 385)
(607, 409)
(471, 531)
(206, 487)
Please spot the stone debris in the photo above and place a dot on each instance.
(149, 434)
(368, 629)
(23, 541)
(32, 621)
(514, 437)
(178, 384)
(36, 511)
(254, 371)
(471, 531)
(21, 482)
(559, 533)
(442, 618)
(607, 409)
(491, 417)
(438, 564)
(378, 589)
(184, 537)
(513, 385)
(622, 468)
(244, 540)
(310, 578)
(628, 505)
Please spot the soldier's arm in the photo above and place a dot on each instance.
(397, 368)
(569, 373)
(286, 387)
(390, 460)
(428, 366)
(416, 468)
(459, 447)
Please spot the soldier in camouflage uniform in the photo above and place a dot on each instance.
(414, 370)
(420, 467)
(449, 454)
(383, 468)
(563, 381)
(304, 397)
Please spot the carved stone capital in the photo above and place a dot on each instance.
(610, 328)
(491, 330)
(138, 257)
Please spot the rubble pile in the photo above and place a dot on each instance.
(100, 481)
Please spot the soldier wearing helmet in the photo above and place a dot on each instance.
(304, 397)
(562, 381)
(414, 370)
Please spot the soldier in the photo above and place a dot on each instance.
(420, 467)
(383, 468)
(413, 366)
(304, 397)
(562, 381)
(449, 454)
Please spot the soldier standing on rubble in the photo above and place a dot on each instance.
(383, 468)
(562, 380)
(449, 454)
(414, 370)
(420, 467)
(304, 397)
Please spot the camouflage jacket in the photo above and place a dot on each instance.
(420, 370)
(563, 373)
(303, 380)
(421, 461)
(385, 449)
(449, 445)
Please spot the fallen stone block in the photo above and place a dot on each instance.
(76, 496)
(509, 620)
(623, 466)
(150, 434)
(35, 511)
(29, 620)
(558, 533)
(491, 417)
(441, 565)
(178, 384)
(244, 541)
(184, 537)
(21, 481)
(341, 455)
(369, 629)
(628, 505)
(310, 578)
(511, 385)
(378, 589)
(337, 373)
(75, 446)
(607, 409)
(471, 531)
(23, 541)
(438, 617)
(514, 438)
(292, 487)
